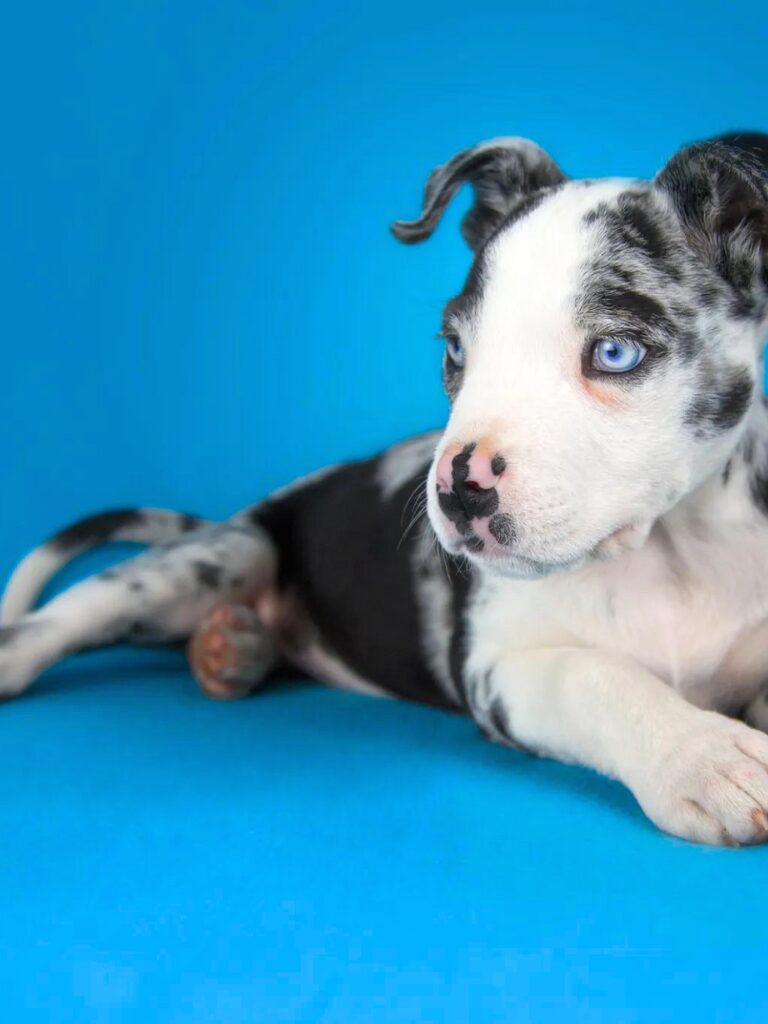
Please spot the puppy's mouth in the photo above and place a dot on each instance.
(501, 562)
(521, 567)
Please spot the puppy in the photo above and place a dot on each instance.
(579, 560)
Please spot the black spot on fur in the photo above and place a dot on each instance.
(208, 574)
(641, 278)
(719, 191)
(473, 543)
(633, 226)
(498, 465)
(7, 635)
(502, 528)
(632, 306)
(758, 486)
(189, 522)
(97, 529)
(721, 405)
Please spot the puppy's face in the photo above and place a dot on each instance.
(599, 369)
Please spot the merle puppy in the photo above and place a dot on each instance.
(590, 580)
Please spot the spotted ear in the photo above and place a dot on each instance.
(719, 190)
(503, 173)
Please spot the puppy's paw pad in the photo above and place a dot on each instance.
(230, 652)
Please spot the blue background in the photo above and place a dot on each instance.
(201, 300)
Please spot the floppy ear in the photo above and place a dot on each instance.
(503, 172)
(719, 190)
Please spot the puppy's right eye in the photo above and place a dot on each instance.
(454, 350)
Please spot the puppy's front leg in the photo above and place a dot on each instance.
(696, 774)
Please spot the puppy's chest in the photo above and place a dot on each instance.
(691, 619)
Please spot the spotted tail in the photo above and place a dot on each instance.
(137, 525)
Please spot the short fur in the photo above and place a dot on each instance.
(590, 579)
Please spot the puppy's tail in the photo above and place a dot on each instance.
(137, 525)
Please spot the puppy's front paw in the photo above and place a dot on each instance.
(711, 783)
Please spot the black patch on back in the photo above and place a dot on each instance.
(97, 529)
(342, 551)
(721, 404)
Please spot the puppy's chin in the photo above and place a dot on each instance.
(519, 568)
(498, 562)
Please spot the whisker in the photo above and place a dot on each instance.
(420, 487)
(418, 515)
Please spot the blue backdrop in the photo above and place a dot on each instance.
(201, 300)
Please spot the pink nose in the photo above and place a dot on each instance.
(483, 470)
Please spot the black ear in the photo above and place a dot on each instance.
(719, 190)
(503, 172)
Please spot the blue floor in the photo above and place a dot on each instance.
(314, 856)
(200, 302)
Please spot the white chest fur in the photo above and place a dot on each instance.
(691, 605)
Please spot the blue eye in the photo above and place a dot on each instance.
(454, 350)
(613, 355)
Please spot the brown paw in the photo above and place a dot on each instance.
(230, 652)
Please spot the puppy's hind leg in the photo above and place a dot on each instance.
(158, 597)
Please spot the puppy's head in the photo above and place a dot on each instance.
(603, 354)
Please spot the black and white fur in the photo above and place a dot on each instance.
(606, 602)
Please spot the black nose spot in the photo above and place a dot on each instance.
(453, 510)
(502, 528)
(473, 543)
(477, 502)
(498, 465)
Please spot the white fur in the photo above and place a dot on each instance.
(619, 664)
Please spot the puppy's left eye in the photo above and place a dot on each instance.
(614, 355)
(455, 350)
